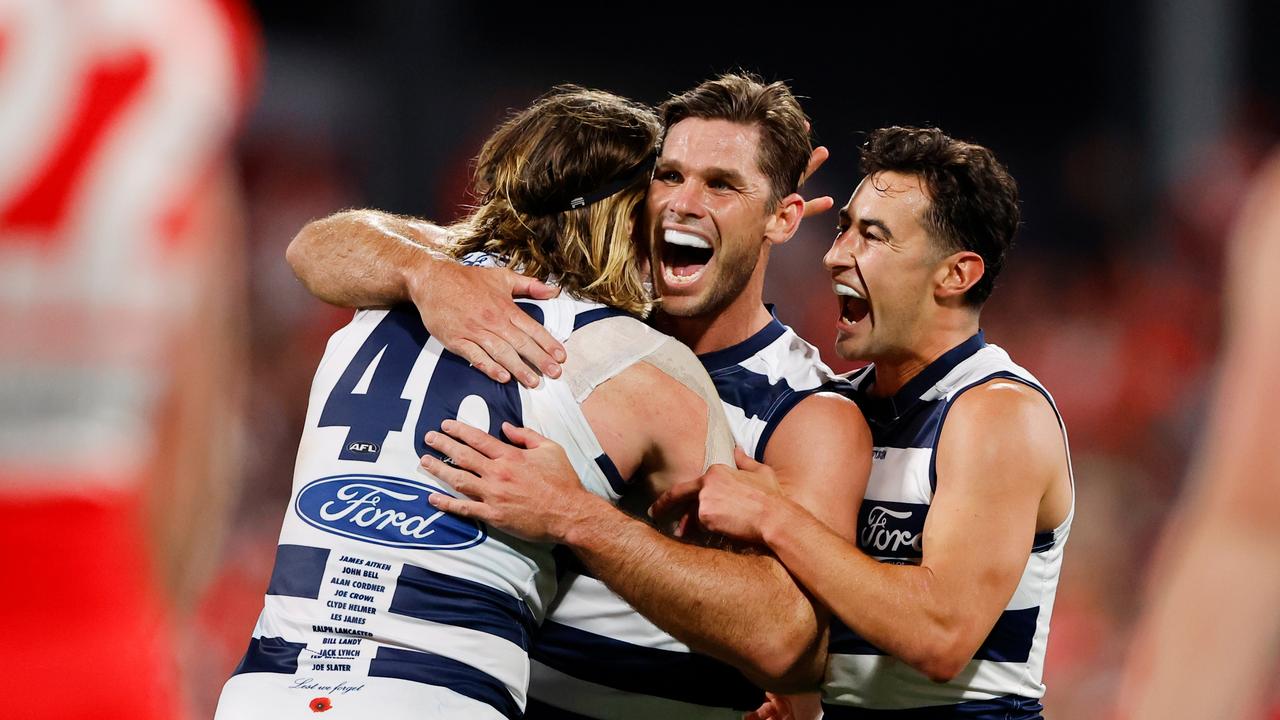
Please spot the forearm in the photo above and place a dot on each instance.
(897, 608)
(742, 609)
(365, 258)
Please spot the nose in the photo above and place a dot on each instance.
(841, 255)
(686, 200)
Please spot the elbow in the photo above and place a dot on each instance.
(301, 247)
(941, 669)
(944, 658)
(787, 660)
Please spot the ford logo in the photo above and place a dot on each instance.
(386, 511)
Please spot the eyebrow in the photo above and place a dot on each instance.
(733, 177)
(872, 222)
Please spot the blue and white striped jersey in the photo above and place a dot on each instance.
(595, 656)
(380, 604)
(1004, 676)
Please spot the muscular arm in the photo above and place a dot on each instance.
(743, 608)
(367, 258)
(1001, 451)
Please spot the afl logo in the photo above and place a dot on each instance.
(385, 511)
(364, 447)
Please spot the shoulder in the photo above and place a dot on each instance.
(1002, 423)
(822, 431)
(1002, 402)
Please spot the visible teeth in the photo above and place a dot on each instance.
(672, 278)
(675, 237)
(842, 289)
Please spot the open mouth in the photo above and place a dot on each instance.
(853, 306)
(684, 257)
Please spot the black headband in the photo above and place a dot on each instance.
(613, 187)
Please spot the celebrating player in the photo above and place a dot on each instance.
(723, 195)
(380, 604)
(970, 498)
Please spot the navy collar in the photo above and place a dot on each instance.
(889, 409)
(734, 354)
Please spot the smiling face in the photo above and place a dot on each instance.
(885, 268)
(707, 215)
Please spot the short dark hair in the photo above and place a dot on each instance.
(973, 201)
(744, 98)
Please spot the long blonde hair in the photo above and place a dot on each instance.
(571, 146)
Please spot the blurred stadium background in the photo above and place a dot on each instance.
(1131, 127)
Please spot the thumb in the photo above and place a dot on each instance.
(524, 286)
(743, 460)
(522, 436)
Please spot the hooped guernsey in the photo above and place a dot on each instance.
(595, 656)
(381, 606)
(1004, 678)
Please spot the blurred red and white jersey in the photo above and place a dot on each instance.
(116, 120)
(116, 214)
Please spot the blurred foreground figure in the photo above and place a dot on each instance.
(119, 344)
(1207, 646)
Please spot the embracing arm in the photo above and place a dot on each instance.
(368, 258)
(744, 609)
(1001, 451)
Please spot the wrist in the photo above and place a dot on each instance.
(419, 272)
(586, 523)
(776, 524)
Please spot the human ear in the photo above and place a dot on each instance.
(958, 272)
(784, 220)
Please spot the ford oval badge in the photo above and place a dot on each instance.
(386, 511)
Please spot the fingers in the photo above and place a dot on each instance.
(523, 436)
(459, 506)
(535, 344)
(818, 205)
(480, 360)
(675, 500)
(459, 480)
(461, 455)
(816, 159)
(501, 350)
(474, 438)
(525, 286)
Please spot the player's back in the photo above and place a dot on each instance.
(378, 601)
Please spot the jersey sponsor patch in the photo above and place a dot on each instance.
(386, 511)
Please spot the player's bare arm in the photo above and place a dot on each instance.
(368, 258)
(742, 608)
(1002, 476)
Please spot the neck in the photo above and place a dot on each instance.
(717, 332)
(892, 373)
(743, 317)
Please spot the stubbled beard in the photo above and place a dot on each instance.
(732, 277)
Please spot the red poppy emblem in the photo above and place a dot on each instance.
(320, 704)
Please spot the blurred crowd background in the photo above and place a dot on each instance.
(1131, 127)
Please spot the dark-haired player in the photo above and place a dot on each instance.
(942, 604)
(722, 198)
